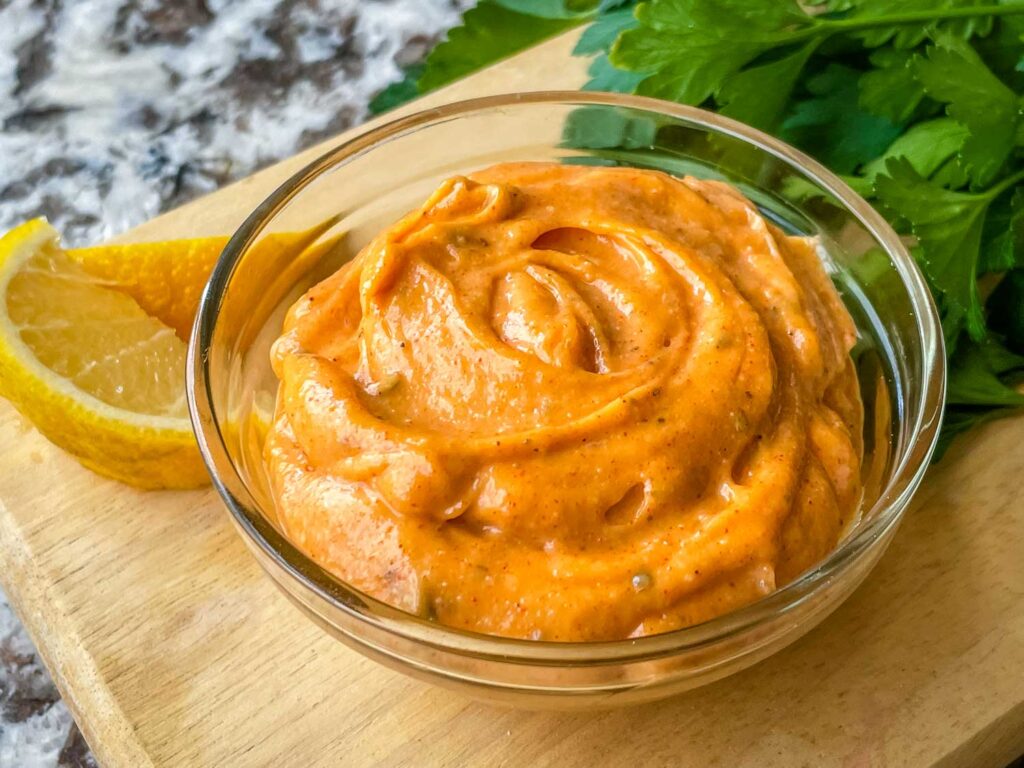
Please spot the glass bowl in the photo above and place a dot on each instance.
(325, 213)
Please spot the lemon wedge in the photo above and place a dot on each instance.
(165, 278)
(99, 375)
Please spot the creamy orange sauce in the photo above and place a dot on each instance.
(570, 403)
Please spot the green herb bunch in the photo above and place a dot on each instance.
(917, 103)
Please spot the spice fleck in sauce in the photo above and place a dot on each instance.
(570, 403)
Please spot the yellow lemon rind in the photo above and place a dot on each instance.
(143, 450)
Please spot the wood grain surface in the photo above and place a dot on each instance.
(172, 648)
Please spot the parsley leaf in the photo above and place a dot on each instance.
(1001, 50)
(550, 9)
(1003, 234)
(760, 94)
(832, 126)
(974, 375)
(489, 33)
(948, 226)
(911, 35)
(927, 146)
(599, 36)
(605, 76)
(800, 190)
(891, 90)
(951, 174)
(398, 93)
(688, 47)
(1006, 309)
(953, 73)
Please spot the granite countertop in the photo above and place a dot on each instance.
(116, 110)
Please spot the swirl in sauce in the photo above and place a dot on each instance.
(570, 403)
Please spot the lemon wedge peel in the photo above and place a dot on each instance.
(146, 450)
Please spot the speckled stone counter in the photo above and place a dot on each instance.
(116, 110)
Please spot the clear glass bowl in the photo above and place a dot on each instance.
(324, 214)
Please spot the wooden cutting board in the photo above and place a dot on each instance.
(172, 648)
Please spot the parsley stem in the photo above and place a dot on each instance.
(997, 189)
(826, 27)
(933, 14)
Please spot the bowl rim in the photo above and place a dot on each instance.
(886, 512)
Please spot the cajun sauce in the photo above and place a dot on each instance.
(570, 403)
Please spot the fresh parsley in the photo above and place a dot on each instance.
(918, 104)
